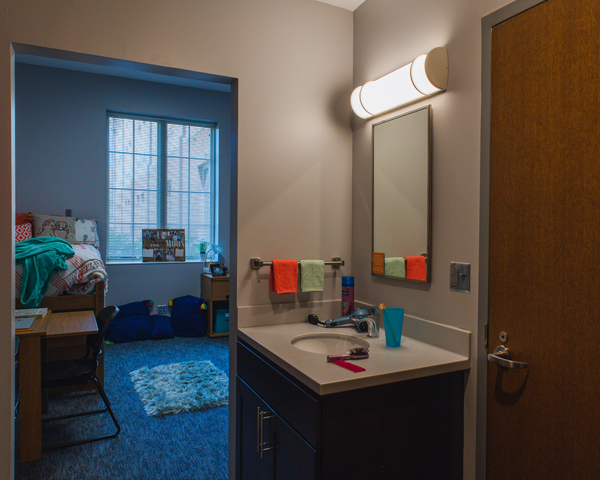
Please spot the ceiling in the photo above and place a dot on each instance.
(347, 4)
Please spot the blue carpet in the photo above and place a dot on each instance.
(187, 446)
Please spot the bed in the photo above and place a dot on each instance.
(82, 286)
(66, 303)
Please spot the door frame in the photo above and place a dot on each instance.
(487, 23)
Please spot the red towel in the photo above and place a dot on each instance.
(416, 268)
(284, 276)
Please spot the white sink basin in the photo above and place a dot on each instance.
(328, 343)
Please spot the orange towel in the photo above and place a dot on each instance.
(416, 268)
(284, 276)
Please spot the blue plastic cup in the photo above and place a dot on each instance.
(393, 318)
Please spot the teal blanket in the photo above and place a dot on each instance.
(40, 257)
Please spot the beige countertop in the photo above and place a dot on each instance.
(427, 348)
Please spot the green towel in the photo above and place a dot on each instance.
(40, 257)
(312, 274)
(395, 267)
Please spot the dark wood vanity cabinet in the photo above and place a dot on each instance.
(268, 446)
(411, 429)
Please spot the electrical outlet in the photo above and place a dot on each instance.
(460, 277)
(162, 309)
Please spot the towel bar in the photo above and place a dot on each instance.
(256, 263)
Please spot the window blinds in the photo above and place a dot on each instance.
(161, 174)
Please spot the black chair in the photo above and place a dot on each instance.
(80, 372)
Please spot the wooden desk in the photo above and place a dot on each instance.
(52, 326)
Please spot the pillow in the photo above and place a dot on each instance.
(86, 232)
(22, 218)
(133, 309)
(22, 232)
(54, 226)
(131, 329)
(187, 319)
(161, 327)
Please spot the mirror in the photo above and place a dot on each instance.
(402, 197)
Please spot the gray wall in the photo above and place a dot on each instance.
(387, 35)
(293, 62)
(61, 159)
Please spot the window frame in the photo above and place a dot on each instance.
(162, 183)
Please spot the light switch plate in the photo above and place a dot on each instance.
(162, 309)
(460, 277)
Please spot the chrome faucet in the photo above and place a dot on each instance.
(373, 330)
(371, 321)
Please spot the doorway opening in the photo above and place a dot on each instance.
(119, 71)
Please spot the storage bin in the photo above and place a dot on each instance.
(221, 320)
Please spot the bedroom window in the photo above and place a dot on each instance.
(161, 174)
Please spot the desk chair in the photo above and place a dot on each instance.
(80, 372)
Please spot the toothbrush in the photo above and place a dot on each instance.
(352, 354)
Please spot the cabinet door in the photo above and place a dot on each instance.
(294, 459)
(250, 465)
(267, 447)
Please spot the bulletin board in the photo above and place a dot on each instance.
(163, 245)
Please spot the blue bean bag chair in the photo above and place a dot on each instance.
(188, 319)
(161, 327)
(130, 329)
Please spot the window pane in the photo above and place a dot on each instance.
(200, 146)
(120, 169)
(120, 135)
(177, 210)
(145, 206)
(119, 241)
(200, 209)
(120, 206)
(177, 174)
(146, 137)
(178, 137)
(200, 175)
(146, 172)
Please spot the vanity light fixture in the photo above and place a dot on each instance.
(427, 75)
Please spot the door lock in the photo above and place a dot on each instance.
(503, 337)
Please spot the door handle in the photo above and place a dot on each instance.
(501, 356)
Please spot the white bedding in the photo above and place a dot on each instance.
(86, 268)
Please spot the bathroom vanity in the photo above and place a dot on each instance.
(299, 417)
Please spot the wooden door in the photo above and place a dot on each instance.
(544, 283)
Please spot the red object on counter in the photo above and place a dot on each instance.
(349, 366)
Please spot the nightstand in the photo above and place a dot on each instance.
(215, 291)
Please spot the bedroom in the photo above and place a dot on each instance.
(61, 133)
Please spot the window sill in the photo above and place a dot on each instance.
(130, 262)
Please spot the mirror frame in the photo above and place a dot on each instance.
(429, 194)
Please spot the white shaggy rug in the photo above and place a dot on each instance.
(181, 387)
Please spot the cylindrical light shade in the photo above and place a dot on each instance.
(426, 76)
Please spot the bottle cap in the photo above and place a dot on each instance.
(347, 281)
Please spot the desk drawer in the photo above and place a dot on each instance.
(220, 290)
